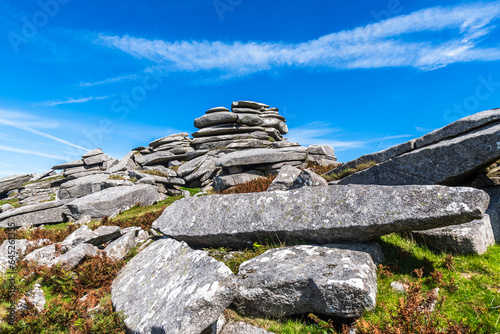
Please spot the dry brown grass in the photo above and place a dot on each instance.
(255, 186)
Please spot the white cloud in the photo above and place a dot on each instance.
(110, 80)
(19, 150)
(388, 43)
(73, 101)
(24, 127)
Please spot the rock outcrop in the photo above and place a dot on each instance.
(318, 215)
(170, 288)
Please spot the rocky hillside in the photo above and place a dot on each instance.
(163, 240)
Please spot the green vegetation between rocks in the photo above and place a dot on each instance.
(54, 178)
(13, 201)
(348, 171)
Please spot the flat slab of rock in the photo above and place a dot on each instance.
(249, 104)
(36, 214)
(82, 186)
(319, 215)
(75, 256)
(446, 156)
(72, 164)
(224, 129)
(118, 249)
(290, 178)
(13, 182)
(169, 139)
(170, 288)
(470, 238)
(112, 200)
(305, 279)
(262, 156)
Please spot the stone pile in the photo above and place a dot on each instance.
(92, 162)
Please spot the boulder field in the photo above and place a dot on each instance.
(441, 190)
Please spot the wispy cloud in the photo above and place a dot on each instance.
(28, 120)
(389, 43)
(73, 101)
(21, 126)
(19, 150)
(110, 80)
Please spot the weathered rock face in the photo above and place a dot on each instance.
(118, 249)
(36, 214)
(10, 252)
(82, 186)
(241, 328)
(170, 288)
(470, 238)
(112, 200)
(446, 156)
(13, 182)
(262, 156)
(318, 215)
(494, 211)
(290, 178)
(304, 279)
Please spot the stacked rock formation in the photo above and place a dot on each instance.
(93, 162)
(231, 147)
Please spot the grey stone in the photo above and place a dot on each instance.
(250, 143)
(207, 167)
(43, 256)
(181, 150)
(75, 256)
(254, 135)
(242, 328)
(167, 171)
(305, 279)
(399, 287)
(191, 166)
(96, 159)
(81, 169)
(118, 249)
(224, 129)
(122, 165)
(371, 248)
(109, 201)
(13, 182)
(470, 238)
(318, 215)
(36, 214)
(157, 179)
(82, 186)
(169, 139)
(156, 158)
(104, 234)
(274, 133)
(308, 178)
(39, 176)
(10, 252)
(277, 124)
(169, 146)
(83, 174)
(249, 104)
(277, 166)
(284, 143)
(35, 297)
(214, 119)
(80, 236)
(446, 162)
(92, 153)
(110, 163)
(228, 181)
(249, 119)
(246, 111)
(216, 327)
(262, 156)
(494, 210)
(170, 288)
(72, 164)
(267, 114)
(286, 177)
(321, 150)
(216, 109)
(6, 207)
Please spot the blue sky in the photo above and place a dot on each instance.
(358, 75)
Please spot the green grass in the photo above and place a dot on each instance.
(348, 171)
(13, 201)
(192, 191)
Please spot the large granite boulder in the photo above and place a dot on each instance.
(83, 186)
(37, 214)
(318, 215)
(13, 182)
(290, 178)
(262, 156)
(305, 279)
(112, 200)
(170, 288)
(470, 238)
(446, 156)
(233, 327)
